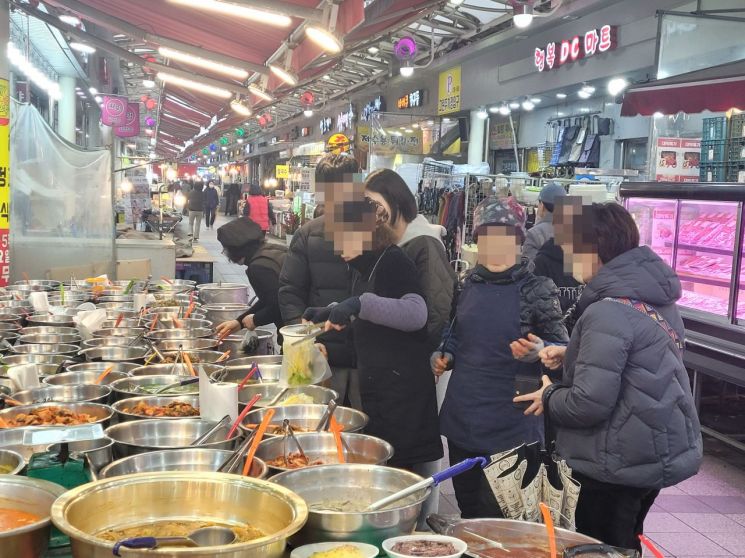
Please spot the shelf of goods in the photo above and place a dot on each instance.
(698, 230)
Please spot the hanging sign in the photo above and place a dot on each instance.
(412, 100)
(448, 96)
(338, 143)
(594, 41)
(4, 182)
(304, 132)
(325, 125)
(392, 142)
(282, 171)
(345, 120)
(113, 110)
(131, 125)
(376, 105)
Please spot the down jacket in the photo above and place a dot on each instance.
(626, 414)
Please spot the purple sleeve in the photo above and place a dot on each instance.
(408, 313)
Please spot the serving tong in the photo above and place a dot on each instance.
(288, 433)
(211, 432)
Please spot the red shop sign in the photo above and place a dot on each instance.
(595, 41)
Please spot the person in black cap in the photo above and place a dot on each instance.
(243, 244)
(543, 230)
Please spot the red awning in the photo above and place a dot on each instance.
(716, 89)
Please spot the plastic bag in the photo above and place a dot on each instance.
(302, 364)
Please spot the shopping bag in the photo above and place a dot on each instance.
(556, 155)
(570, 136)
(302, 364)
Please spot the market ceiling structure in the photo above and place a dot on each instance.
(162, 38)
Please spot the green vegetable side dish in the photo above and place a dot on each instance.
(129, 287)
(300, 377)
(179, 390)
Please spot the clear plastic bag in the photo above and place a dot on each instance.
(302, 364)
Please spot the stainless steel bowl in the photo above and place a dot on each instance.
(357, 483)
(179, 369)
(99, 450)
(236, 369)
(102, 413)
(306, 417)
(24, 289)
(30, 358)
(42, 338)
(203, 344)
(176, 286)
(205, 357)
(7, 386)
(10, 336)
(48, 320)
(118, 297)
(127, 387)
(140, 436)
(41, 370)
(119, 332)
(122, 407)
(11, 462)
(235, 344)
(167, 314)
(52, 330)
(192, 459)
(31, 496)
(219, 313)
(11, 315)
(44, 283)
(223, 293)
(10, 327)
(113, 312)
(183, 323)
(106, 504)
(64, 394)
(81, 378)
(98, 367)
(185, 333)
(364, 449)
(115, 354)
(46, 349)
(112, 342)
(268, 392)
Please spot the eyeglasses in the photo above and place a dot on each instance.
(381, 215)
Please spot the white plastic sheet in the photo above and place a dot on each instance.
(61, 208)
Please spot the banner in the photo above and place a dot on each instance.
(678, 160)
(448, 97)
(113, 110)
(282, 171)
(4, 182)
(131, 125)
(392, 141)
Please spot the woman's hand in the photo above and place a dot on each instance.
(440, 362)
(321, 347)
(248, 322)
(552, 357)
(328, 326)
(527, 349)
(535, 399)
(226, 328)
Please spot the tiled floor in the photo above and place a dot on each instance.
(703, 517)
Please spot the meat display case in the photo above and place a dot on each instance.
(698, 230)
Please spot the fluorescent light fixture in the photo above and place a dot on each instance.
(584, 109)
(239, 140)
(456, 2)
(70, 20)
(194, 85)
(82, 47)
(224, 148)
(186, 58)
(406, 70)
(148, 83)
(658, 115)
(34, 74)
(415, 125)
(528, 104)
(326, 77)
(522, 16)
(325, 39)
(561, 95)
(288, 77)
(446, 120)
(373, 50)
(308, 113)
(494, 109)
(93, 91)
(240, 108)
(234, 10)
(514, 105)
(482, 114)
(260, 93)
(535, 100)
(583, 94)
(504, 110)
(616, 86)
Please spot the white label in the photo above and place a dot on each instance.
(711, 154)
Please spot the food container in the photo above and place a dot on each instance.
(50, 320)
(183, 323)
(113, 342)
(119, 332)
(11, 337)
(116, 309)
(82, 378)
(11, 463)
(198, 357)
(9, 327)
(191, 459)
(223, 293)
(179, 369)
(154, 400)
(30, 358)
(41, 370)
(99, 367)
(11, 315)
(141, 436)
(102, 413)
(458, 545)
(365, 449)
(235, 344)
(269, 366)
(203, 344)
(64, 394)
(116, 354)
(105, 504)
(219, 313)
(25, 289)
(306, 417)
(7, 386)
(53, 330)
(356, 483)
(185, 333)
(99, 452)
(127, 387)
(268, 392)
(42, 338)
(46, 349)
(175, 286)
(31, 496)
(36, 284)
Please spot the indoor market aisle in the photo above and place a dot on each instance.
(702, 517)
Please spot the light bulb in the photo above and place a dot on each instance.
(308, 113)
(514, 105)
(482, 114)
(373, 50)
(504, 110)
(494, 109)
(522, 17)
(528, 105)
(324, 38)
(616, 86)
(406, 71)
(561, 95)
(126, 186)
(240, 108)
(287, 77)
(148, 83)
(70, 20)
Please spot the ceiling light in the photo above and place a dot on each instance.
(325, 39)
(583, 94)
(82, 47)
(504, 110)
(224, 148)
(152, 155)
(456, 2)
(588, 89)
(528, 104)
(494, 109)
(584, 109)
(373, 50)
(70, 20)
(522, 16)
(240, 108)
(561, 95)
(616, 86)
(658, 115)
(446, 120)
(205, 63)
(239, 140)
(195, 85)
(99, 99)
(260, 93)
(234, 10)
(559, 113)
(308, 113)
(406, 69)
(535, 100)
(284, 75)
(93, 91)
(514, 105)
(482, 114)
(148, 83)
(415, 125)
(409, 131)
(326, 77)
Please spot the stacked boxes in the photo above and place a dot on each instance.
(714, 150)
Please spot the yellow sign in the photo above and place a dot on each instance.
(282, 171)
(338, 143)
(448, 97)
(4, 182)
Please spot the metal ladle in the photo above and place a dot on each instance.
(206, 536)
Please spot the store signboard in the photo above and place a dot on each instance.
(305, 132)
(345, 120)
(113, 110)
(4, 182)
(282, 171)
(500, 134)
(325, 125)
(414, 99)
(594, 41)
(376, 105)
(391, 142)
(138, 199)
(448, 96)
(131, 126)
(678, 159)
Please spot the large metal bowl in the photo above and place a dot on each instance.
(141, 436)
(203, 344)
(179, 369)
(30, 358)
(41, 370)
(11, 462)
(102, 413)
(64, 394)
(31, 496)
(188, 323)
(113, 312)
(98, 450)
(203, 357)
(185, 333)
(307, 417)
(7, 386)
(223, 293)
(42, 338)
(115, 354)
(52, 330)
(112, 342)
(127, 387)
(82, 378)
(268, 392)
(169, 312)
(9, 327)
(269, 366)
(358, 483)
(119, 332)
(191, 459)
(46, 349)
(367, 450)
(219, 313)
(108, 503)
(49, 320)
(99, 367)
(235, 344)
(155, 400)
(11, 315)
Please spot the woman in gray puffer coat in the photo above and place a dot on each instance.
(624, 413)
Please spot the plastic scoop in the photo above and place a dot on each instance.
(206, 536)
(434, 480)
(243, 414)
(223, 357)
(189, 366)
(254, 369)
(103, 375)
(549, 522)
(257, 440)
(337, 429)
(154, 323)
(652, 548)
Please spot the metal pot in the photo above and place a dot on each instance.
(46, 349)
(119, 332)
(141, 436)
(30, 358)
(41, 338)
(11, 463)
(202, 344)
(8, 316)
(113, 342)
(102, 413)
(116, 297)
(10, 328)
(219, 313)
(113, 312)
(179, 334)
(98, 367)
(51, 330)
(127, 387)
(7, 386)
(176, 286)
(366, 450)
(64, 394)
(306, 417)
(268, 392)
(358, 483)
(183, 323)
(106, 504)
(99, 451)
(50, 320)
(16, 305)
(167, 314)
(41, 370)
(269, 366)
(153, 400)
(115, 354)
(46, 284)
(179, 369)
(82, 378)
(10, 336)
(206, 357)
(223, 293)
(32, 496)
(235, 344)
(192, 459)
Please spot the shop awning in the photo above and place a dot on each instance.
(716, 89)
